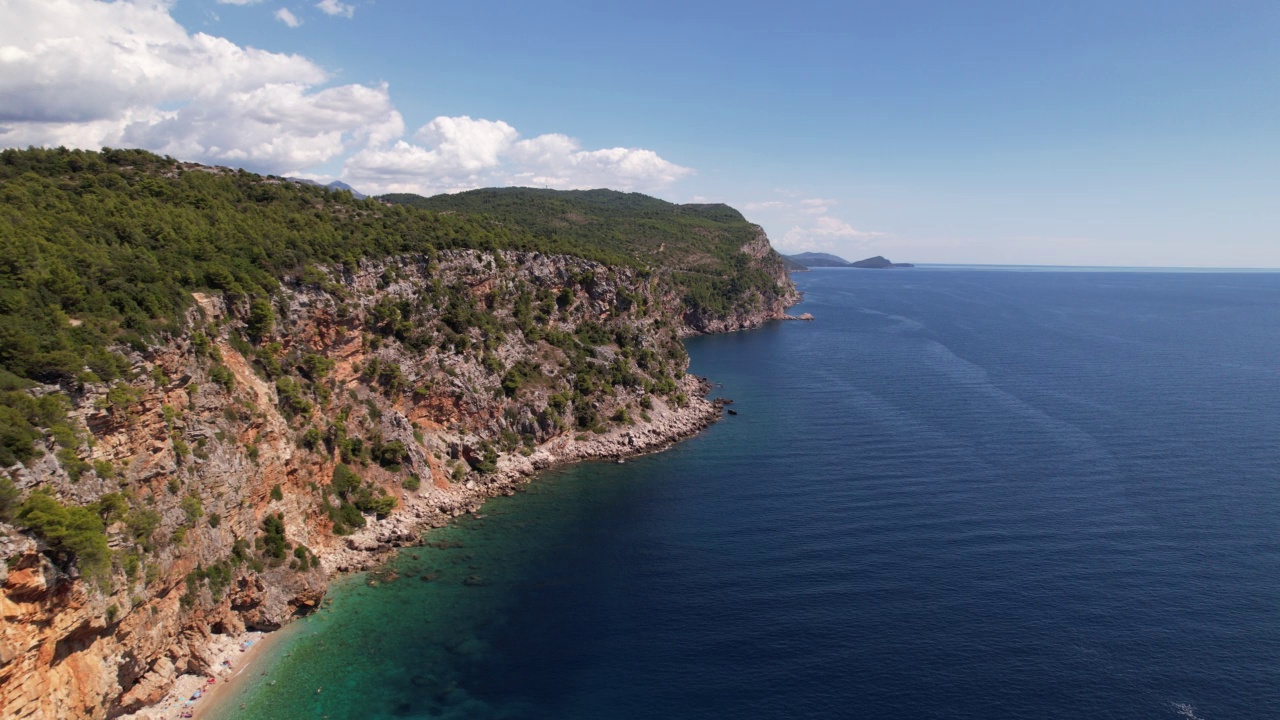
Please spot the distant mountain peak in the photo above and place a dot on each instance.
(339, 185)
(335, 185)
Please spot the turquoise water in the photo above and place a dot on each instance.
(958, 494)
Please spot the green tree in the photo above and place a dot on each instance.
(74, 531)
(262, 320)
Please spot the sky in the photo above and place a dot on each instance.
(1055, 133)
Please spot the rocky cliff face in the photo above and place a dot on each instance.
(383, 398)
(759, 306)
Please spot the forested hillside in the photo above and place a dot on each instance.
(699, 245)
(105, 248)
(217, 388)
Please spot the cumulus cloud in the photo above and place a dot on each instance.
(826, 234)
(333, 7)
(816, 206)
(84, 73)
(239, 2)
(813, 225)
(461, 153)
(764, 205)
(288, 18)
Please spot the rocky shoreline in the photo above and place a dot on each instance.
(380, 540)
(372, 545)
(227, 453)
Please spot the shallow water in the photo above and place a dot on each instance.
(959, 493)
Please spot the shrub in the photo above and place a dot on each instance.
(130, 562)
(345, 481)
(273, 541)
(316, 367)
(72, 463)
(380, 506)
(488, 461)
(389, 455)
(222, 376)
(310, 439)
(261, 320)
(349, 515)
(16, 437)
(112, 507)
(292, 402)
(142, 522)
(192, 507)
(9, 495)
(71, 530)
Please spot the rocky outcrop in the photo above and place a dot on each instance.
(759, 307)
(438, 380)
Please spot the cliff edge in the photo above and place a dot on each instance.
(220, 388)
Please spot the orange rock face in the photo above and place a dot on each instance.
(412, 388)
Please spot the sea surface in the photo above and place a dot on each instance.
(959, 493)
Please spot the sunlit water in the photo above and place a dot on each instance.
(957, 494)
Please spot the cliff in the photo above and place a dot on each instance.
(258, 444)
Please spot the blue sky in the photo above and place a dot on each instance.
(1118, 133)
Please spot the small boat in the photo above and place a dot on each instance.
(733, 412)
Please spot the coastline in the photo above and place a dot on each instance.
(232, 660)
(379, 541)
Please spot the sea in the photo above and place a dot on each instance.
(959, 492)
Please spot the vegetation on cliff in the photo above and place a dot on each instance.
(98, 249)
(698, 246)
(213, 384)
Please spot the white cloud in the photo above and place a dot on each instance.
(239, 2)
(333, 7)
(765, 205)
(816, 206)
(826, 233)
(87, 74)
(461, 153)
(281, 127)
(288, 18)
(812, 226)
(84, 73)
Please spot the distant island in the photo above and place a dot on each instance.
(809, 260)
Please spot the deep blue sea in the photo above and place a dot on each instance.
(958, 493)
